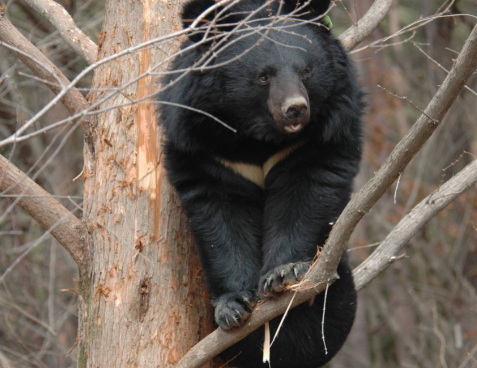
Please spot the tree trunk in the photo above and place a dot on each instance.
(144, 303)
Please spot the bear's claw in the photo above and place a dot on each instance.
(233, 309)
(277, 279)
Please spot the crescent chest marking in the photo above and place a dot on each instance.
(256, 173)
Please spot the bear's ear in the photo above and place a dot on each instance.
(192, 10)
(308, 8)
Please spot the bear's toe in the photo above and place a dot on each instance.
(281, 277)
(233, 309)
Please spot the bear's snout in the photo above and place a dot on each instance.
(288, 102)
(295, 108)
(296, 112)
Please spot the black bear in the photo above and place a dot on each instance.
(262, 192)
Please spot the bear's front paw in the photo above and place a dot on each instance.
(233, 309)
(276, 280)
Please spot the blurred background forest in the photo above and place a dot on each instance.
(421, 312)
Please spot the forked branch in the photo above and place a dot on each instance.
(63, 225)
(405, 150)
(410, 224)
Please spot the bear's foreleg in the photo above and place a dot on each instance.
(226, 214)
(301, 206)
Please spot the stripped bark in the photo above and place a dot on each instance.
(145, 303)
(48, 212)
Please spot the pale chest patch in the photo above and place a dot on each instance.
(255, 173)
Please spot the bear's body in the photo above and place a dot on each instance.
(262, 199)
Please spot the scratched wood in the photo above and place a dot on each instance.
(144, 303)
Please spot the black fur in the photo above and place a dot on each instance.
(254, 238)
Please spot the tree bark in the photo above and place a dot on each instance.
(47, 211)
(144, 303)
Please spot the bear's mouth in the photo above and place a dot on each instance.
(293, 128)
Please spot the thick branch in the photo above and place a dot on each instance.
(67, 28)
(35, 18)
(47, 71)
(405, 150)
(47, 211)
(363, 28)
(325, 270)
(389, 249)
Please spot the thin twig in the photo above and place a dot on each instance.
(410, 103)
(410, 28)
(39, 64)
(347, 12)
(323, 319)
(440, 66)
(397, 187)
(364, 246)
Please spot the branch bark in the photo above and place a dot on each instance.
(405, 150)
(397, 239)
(324, 270)
(53, 77)
(40, 64)
(367, 24)
(48, 212)
(59, 18)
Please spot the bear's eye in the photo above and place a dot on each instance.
(305, 73)
(263, 78)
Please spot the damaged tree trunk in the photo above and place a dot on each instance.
(143, 304)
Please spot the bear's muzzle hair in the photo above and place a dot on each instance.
(288, 103)
(297, 112)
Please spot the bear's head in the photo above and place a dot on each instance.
(271, 70)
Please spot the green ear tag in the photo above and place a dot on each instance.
(327, 21)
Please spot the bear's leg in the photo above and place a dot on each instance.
(301, 205)
(226, 215)
(228, 234)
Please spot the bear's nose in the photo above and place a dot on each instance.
(296, 111)
(295, 108)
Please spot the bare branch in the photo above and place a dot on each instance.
(382, 257)
(405, 150)
(48, 212)
(46, 70)
(324, 270)
(370, 21)
(440, 66)
(39, 64)
(67, 28)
